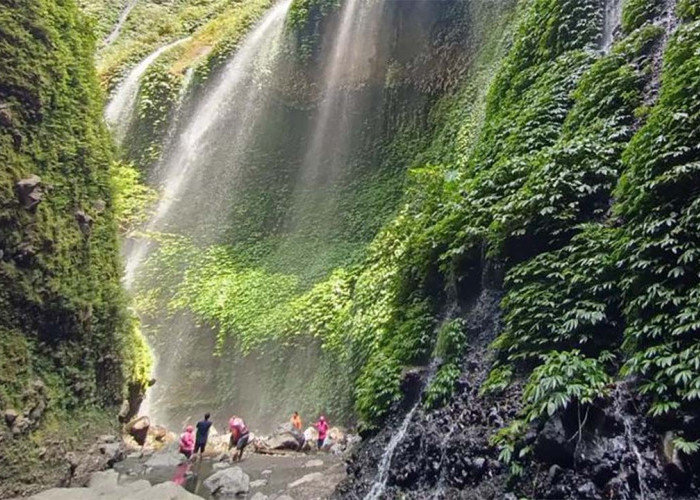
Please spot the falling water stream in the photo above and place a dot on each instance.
(232, 94)
(123, 16)
(120, 109)
(352, 60)
(232, 90)
(612, 21)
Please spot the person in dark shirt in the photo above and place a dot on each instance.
(200, 442)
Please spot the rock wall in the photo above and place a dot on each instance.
(67, 345)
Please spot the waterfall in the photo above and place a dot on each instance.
(123, 16)
(353, 57)
(383, 472)
(222, 118)
(187, 159)
(120, 109)
(612, 21)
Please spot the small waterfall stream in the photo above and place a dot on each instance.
(123, 16)
(612, 22)
(353, 56)
(120, 109)
(383, 471)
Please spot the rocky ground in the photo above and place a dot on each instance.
(120, 468)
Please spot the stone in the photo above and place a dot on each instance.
(114, 452)
(84, 221)
(266, 472)
(259, 483)
(479, 464)
(221, 465)
(588, 490)
(138, 429)
(158, 432)
(165, 459)
(314, 463)
(29, 192)
(10, 416)
(21, 425)
(228, 482)
(552, 445)
(314, 476)
(554, 472)
(259, 496)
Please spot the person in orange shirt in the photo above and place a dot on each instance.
(296, 421)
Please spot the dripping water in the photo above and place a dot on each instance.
(120, 109)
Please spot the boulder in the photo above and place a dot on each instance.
(138, 429)
(553, 446)
(259, 483)
(29, 192)
(314, 463)
(158, 432)
(165, 459)
(284, 441)
(10, 416)
(84, 221)
(228, 482)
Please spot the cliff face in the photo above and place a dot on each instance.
(582, 381)
(67, 344)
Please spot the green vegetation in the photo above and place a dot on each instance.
(64, 325)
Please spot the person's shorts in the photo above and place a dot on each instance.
(242, 442)
(199, 447)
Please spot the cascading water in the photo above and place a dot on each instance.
(123, 16)
(234, 89)
(612, 21)
(223, 117)
(383, 472)
(352, 62)
(379, 484)
(120, 109)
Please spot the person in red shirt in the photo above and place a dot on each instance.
(239, 437)
(322, 428)
(187, 441)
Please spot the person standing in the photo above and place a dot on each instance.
(239, 437)
(203, 427)
(187, 441)
(296, 421)
(322, 428)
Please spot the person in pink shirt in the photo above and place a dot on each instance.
(239, 436)
(322, 428)
(187, 441)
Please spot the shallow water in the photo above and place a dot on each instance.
(284, 471)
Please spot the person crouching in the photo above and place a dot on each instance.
(240, 437)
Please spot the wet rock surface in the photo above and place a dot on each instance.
(614, 451)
